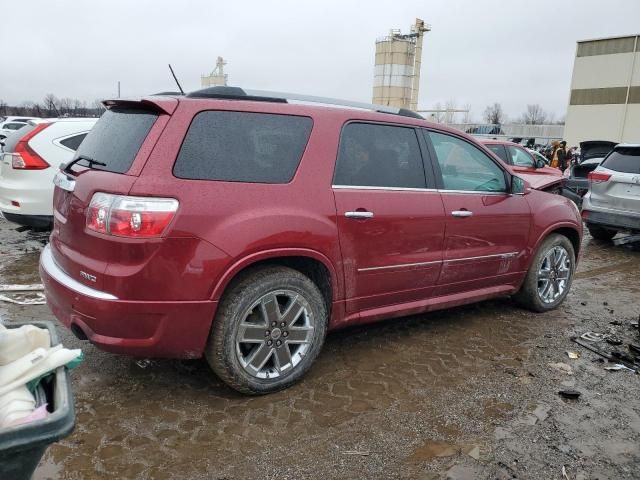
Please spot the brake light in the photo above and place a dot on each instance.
(24, 157)
(124, 216)
(597, 177)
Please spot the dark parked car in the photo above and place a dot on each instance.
(576, 181)
(241, 227)
(485, 130)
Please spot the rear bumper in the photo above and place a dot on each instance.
(34, 221)
(613, 220)
(169, 329)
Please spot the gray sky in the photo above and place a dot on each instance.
(479, 51)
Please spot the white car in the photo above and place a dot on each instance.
(7, 128)
(28, 164)
(8, 125)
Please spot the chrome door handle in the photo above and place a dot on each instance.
(462, 213)
(358, 214)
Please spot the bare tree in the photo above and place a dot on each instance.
(98, 107)
(3, 107)
(66, 106)
(466, 116)
(437, 116)
(494, 114)
(449, 107)
(534, 115)
(51, 104)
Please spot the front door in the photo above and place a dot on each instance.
(487, 228)
(391, 226)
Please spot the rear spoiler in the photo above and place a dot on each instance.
(165, 105)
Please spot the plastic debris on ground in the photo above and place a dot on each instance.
(26, 357)
(571, 394)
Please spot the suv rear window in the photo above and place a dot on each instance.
(243, 147)
(625, 160)
(116, 138)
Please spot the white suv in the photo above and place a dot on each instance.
(28, 164)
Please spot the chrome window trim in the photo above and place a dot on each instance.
(420, 264)
(49, 265)
(473, 192)
(403, 189)
(392, 189)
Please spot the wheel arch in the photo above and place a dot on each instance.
(313, 264)
(567, 230)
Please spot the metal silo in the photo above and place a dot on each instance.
(396, 77)
(217, 77)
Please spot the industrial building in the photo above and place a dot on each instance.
(396, 78)
(605, 91)
(217, 77)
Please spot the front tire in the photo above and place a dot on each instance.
(550, 275)
(600, 233)
(268, 331)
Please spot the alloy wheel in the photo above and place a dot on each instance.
(275, 334)
(554, 274)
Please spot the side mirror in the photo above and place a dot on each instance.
(518, 186)
(540, 163)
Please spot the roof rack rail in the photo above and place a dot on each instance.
(236, 93)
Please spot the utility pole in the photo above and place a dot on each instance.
(118, 88)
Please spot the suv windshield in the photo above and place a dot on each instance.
(625, 160)
(116, 138)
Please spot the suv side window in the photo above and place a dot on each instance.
(521, 158)
(373, 155)
(465, 167)
(243, 147)
(73, 142)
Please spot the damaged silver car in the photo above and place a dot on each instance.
(613, 201)
(576, 183)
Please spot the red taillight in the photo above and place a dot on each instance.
(598, 177)
(130, 216)
(24, 157)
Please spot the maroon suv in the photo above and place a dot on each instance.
(243, 227)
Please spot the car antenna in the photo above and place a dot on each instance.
(176, 79)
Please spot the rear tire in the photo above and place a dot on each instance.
(601, 233)
(550, 275)
(268, 331)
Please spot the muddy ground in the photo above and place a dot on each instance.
(466, 393)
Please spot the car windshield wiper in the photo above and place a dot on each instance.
(91, 162)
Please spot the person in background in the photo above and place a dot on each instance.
(562, 156)
(554, 161)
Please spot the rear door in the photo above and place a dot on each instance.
(390, 217)
(118, 139)
(622, 190)
(487, 228)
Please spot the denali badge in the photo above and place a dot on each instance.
(86, 276)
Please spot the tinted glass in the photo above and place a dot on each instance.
(379, 156)
(465, 167)
(500, 151)
(626, 160)
(520, 158)
(14, 126)
(243, 147)
(73, 142)
(116, 138)
(12, 139)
